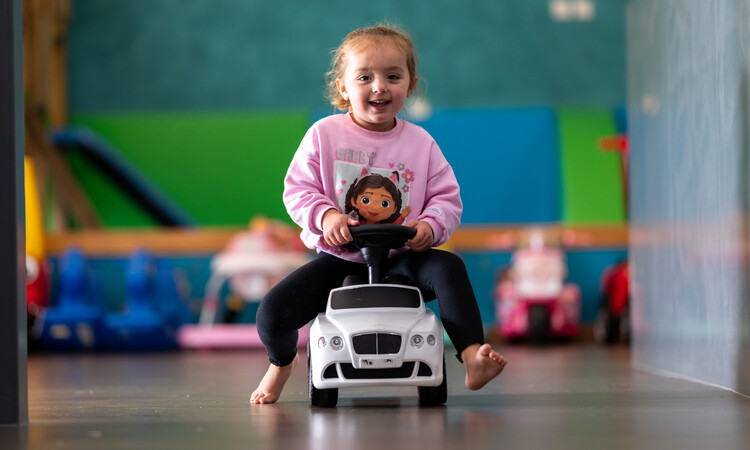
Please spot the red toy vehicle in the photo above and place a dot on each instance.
(533, 301)
(612, 323)
(36, 289)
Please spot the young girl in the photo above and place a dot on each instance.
(372, 74)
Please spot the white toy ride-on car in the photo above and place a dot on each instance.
(376, 334)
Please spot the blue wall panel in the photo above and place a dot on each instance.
(506, 161)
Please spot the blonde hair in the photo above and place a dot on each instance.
(363, 38)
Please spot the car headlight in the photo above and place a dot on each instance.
(417, 341)
(431, 340)
(322, 342)
(337, 343)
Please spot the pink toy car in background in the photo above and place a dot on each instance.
(532, 299)
(612, 323)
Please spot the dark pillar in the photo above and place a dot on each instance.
(14, 403)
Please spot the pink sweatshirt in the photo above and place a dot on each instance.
(336, 157)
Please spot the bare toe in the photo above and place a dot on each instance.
(272, 384)
(259, 398)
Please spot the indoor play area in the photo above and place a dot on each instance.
(601, 153)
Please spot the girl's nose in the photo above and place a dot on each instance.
(379, 85)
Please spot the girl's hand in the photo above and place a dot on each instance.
(336, 228)
(424, 238)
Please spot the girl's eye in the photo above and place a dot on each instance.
(394, 77)
(385, 203)
(365, 200)
(364, 78)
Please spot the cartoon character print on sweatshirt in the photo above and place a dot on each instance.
(374, 195)
(374, 198)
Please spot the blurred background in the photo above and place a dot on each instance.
(209, 100)
(167, 126)
(158, 134)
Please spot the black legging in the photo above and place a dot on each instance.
(302, 295)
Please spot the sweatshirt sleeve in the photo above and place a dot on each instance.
(443, 206)
(304, 190)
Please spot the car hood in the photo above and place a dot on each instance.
(376, 320)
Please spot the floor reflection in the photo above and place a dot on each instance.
(377, 423)
(14, 437)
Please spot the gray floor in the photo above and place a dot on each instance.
(572, 396)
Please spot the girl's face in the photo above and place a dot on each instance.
(374, 204)
(376, 83)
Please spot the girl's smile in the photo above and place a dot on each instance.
(379, 104)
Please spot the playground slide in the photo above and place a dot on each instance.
(34, 226)
(127, 177)
(36, 270)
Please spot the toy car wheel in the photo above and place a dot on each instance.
(324, 398)
(434, 395)
(539, 324)
(606, 326)
(625, 325)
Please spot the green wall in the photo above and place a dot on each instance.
(221, 168)
(592, 189)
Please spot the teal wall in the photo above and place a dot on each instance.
(166, 55)
(194, 271)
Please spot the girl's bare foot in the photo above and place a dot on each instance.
(273, 382)
(482, 365)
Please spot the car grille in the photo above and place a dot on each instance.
(350, 373)
(376, 343)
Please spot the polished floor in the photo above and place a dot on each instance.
(572, 396)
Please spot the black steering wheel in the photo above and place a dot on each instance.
(375, 241)
(381, 235)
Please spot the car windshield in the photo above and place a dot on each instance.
(375, 297)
